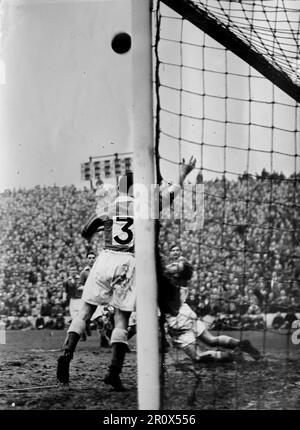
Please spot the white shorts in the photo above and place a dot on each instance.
(185, 338)
(112, 281)
(184, 328)
(74, 307)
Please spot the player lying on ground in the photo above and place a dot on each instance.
(111, 280)
(186, 329)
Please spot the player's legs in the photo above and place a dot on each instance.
(75, 307)
(221, 340)
(230, 343)
(78, 325)
(119, 344)
(99, 318)
(194, 352)
(75, 331)
(186, 340)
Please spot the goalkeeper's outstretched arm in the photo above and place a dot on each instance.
(170, 193)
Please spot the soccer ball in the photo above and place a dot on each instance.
(121, 43)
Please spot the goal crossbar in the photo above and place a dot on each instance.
(231, 41)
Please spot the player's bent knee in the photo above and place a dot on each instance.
(213, 341)
(227, 341)
(119, 335)
(215, 357)
(208, 338)
(77, 326)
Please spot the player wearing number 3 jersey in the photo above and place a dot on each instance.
(111, 281)
(112, 278)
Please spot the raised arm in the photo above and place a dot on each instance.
(170, 193)
(186, 169)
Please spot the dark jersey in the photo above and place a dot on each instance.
(170, 278)
(71, 286)
(181, 272)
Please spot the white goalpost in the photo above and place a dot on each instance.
(143, 144)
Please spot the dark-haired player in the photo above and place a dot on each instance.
(179, 269)
(90, 257)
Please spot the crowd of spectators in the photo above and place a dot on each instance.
(40, 241)
(245, 256)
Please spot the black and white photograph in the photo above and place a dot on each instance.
(149, 207)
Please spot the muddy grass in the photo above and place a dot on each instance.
(28, 379)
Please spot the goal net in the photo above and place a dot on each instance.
(227, 92)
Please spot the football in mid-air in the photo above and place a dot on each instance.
(121, 43)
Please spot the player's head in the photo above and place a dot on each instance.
(125, 183)
(90, 256)
(175, 252)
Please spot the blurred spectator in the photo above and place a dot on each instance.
(46, 309)
(289, 318)
(40, 323)
(236, 257)
(41, 236)
(283, 300)
(193, 300)
(278, 321)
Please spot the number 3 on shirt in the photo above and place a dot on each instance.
(122, 233)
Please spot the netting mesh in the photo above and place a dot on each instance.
(263, 33)
(269, 27)
(244, 132)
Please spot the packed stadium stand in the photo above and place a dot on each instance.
(40, 241)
